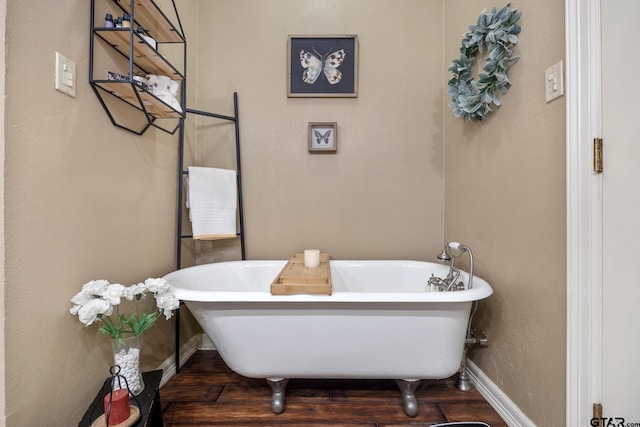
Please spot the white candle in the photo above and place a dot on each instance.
(311, 258)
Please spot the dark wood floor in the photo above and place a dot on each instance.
(207, 393)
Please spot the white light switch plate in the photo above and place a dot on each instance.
(554, 82)
(65, 75)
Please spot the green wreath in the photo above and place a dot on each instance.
(498, 31)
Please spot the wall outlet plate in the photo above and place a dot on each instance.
(554, 82)
(65, 75)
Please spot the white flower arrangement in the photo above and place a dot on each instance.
(97, 299)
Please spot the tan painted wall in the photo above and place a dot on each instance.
(83, 200)
(381, 195)
(3, 17)
(504, 184)
(505, 198)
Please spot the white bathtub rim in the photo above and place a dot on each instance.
(353, 297)
(481, 289)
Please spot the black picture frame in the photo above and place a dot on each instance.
(318, 51)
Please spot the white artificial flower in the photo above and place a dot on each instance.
(138, 288)
(81, 298)
(74, 310)
(89, 312)
(127, 293)
(167, 302)
(157, 286)
(97, 298)
(95, 287)
(114, 293)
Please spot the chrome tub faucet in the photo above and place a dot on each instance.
(450, 253)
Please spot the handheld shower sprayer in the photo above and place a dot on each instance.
(454, 250)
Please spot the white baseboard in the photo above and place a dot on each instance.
(206, 343)
(197, 342)
(510, 413)
(169, 365)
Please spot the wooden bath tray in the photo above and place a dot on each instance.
(295, 278)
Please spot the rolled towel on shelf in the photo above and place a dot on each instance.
(212, 199)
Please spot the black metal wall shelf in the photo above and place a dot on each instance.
(125, 98)
(139, 109)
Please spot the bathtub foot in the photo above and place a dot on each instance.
(409, 402)
(278, 386)
(463, 383)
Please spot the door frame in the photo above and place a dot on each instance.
(584, 211)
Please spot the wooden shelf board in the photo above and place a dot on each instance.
(144, 56)
(127, 92)
(147, 14)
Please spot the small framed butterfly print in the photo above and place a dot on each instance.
(323, 137)
(322, 66)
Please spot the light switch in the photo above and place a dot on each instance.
(65, 75)
(554, 82)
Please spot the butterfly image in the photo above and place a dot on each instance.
(322, 137)
(328, 65)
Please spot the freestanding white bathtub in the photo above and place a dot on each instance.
(381, 322)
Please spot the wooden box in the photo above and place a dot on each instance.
(295, 278)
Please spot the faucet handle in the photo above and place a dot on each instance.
(455, 245)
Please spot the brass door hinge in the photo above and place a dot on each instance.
(597, 155)
(597, 415)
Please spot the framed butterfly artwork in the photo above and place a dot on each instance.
(323, 137)
(322, 66)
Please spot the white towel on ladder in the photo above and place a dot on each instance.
(212, 199)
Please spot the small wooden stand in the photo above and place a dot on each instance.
(295, 278)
